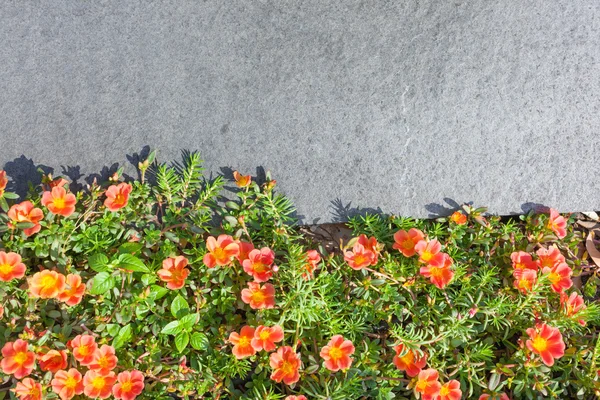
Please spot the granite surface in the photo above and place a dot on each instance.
(407, 106)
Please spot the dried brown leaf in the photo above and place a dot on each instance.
(591, 248)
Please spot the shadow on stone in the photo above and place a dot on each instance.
(536, 207)
(135, 158)
(343, 212)
(74, 174)
(437, 210)
(24, 172)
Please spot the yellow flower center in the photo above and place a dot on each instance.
(6, 269)
(408, 244)
(436, 272)
(244, 341)
(219, 253)
(103, 362)
(259, 267)
(444, 391)
(540, 344)
(335, 353)
(48, 282)
(426, 256)
(84, 350)
(127, 386)
(287, 368)
(407, 358)
(554, 278)
(59, 202)
(422, 385)
(20, 357)
(70, 382)
(119, 199)
(98, 382)
(264, 335)
(359, 259)
(258, 297)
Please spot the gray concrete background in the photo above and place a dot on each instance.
(402, 106)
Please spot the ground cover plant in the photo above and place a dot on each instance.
(157, 288)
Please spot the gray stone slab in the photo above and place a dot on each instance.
(403, 106)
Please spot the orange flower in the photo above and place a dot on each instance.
(526, 280)
(117, 196)
(17, 360)
(371, 245)
(265, 337)
(46, 284)
(53, 360)
(74, 291)
(337, 353)
(242, 342)
(84, 349)
(59, 202)
(405, 241)
(129, 385)
(497, 396)
(66, 384)
(429, 252)
(410, 362)
(313, 258)
(559, 276)
(11, 266)
(450, 391)
(26, 212)
(242, 180)
(220, 251)
(28, 389)
(245, 249)
(427, 384)
(285, 364)
(458, 218)
(174, 272)
(557, 224)
(547, 342)
(572, 305)
(104, 360)
(550, 257)
(441, 275)
(259, 297)
(96, 385)
(522, 261)
(259, 264)
(301, 397)
(3, 182)
(359, 257)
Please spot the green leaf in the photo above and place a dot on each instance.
(25, 225)
(102, 283)
(10, 195)
(123, 337)
(158, 291)
(131, 263)
(179, 307)
(199, 341)
(98, 262)
(172, 328)
(148, 279)
(182, 340)
(130, 248)
(189, 321)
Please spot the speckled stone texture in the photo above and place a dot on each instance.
(406, 107)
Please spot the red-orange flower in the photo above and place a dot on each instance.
(242, 342)
(450, 391)
(550, 257)
(259, 297)
(11, 266)
(84, 349)
(16, 359)
(458, 218)
(59, 202)
(117, 196)
(265, 337)
(96, 385)
(371, 245)
(497, 396)
(429, 252)
(221, 251)
(259, 264)
(174, 272)
(359, 257)
(405, 242)
(521, 261)
(572, 305)
(28, 389)
(67, 384)
(53, 360)
(3, 182)
(46, 284)
(428, 384)
(292, 397)
(313, 258)
(245, 249)
(104, 360)
(559, 276)
(129, 385)
(557, 224)
(410, 362)
(26, 212)
(285, 363)
(74, 290)
(440, 275)
(242, 180)
(547, 342)
(337, 353)
(526, 280)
